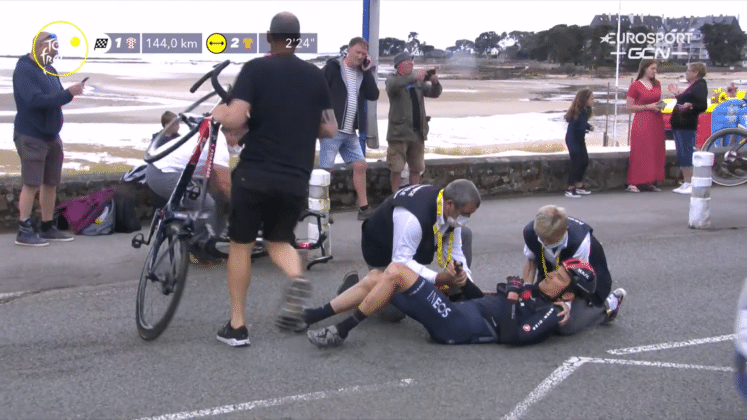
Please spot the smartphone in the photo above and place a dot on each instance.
(366, 62)
(429, 73)
(84, 80)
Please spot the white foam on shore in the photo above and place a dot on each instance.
(445, 133)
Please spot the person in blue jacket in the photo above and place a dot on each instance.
(577, 117)
(39, 98)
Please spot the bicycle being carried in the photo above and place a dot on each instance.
(172, 231)
(729, 147)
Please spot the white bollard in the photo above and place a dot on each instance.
(319, 202)
(700, 200)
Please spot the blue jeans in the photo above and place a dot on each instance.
(684, 140)
(579, 160)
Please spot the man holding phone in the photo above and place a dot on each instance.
(351, 82)
(408, 123)
(39, 97)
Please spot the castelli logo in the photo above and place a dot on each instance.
(526, 295)
(526, 328)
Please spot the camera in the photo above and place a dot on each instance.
(429, 74)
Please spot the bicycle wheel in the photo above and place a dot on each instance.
(161, 282)
(729, 156)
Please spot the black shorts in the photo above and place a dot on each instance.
(275, 212)
(447, 322)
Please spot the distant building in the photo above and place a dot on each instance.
(694, 50)
(632, 20)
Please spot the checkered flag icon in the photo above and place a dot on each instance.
(101, 43)
(131, 43)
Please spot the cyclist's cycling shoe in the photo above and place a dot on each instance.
(350, 280)
(325, 337)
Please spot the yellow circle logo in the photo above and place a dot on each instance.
(216, 43)
(64, 37)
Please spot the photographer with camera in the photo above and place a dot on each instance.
(408, 124)
(351, 82)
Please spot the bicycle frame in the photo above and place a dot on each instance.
(208, 132)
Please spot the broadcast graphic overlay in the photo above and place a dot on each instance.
(66, 47)
(659, 46)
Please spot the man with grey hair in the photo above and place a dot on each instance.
(553, 237)
(39, 98)
(408, 229)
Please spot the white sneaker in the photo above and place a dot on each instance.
(582, 191)
(572, 194)
(685, 188)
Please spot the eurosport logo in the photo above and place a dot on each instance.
(644, 40)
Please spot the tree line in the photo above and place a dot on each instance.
(563, 44)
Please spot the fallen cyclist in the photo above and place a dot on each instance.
(517, 314)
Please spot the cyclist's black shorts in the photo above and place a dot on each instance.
(447, 322)
(275, 211)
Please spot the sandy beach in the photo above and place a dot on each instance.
(131, 97)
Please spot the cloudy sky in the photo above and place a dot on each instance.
(439, 22)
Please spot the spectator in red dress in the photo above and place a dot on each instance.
(647, 152)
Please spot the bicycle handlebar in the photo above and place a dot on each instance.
(213, 76)
(152, 153)
(214, 80)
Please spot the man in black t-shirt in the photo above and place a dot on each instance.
(289, 106)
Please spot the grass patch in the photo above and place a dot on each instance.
(543, 148)
(487, 150)
(97, 168)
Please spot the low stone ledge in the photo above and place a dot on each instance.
(494, 177)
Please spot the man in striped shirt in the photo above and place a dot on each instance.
(351, 82)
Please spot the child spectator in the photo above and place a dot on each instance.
(578, 124)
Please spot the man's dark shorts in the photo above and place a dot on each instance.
(275, 212)
(447, 322)
(41, 161)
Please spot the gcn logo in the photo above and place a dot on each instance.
(644, 40)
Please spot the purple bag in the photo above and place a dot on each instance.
(80, 212)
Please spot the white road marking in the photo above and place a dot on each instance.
(673, 345)
(572, 364)
(280, 401)
(555, 378)
(660, 364)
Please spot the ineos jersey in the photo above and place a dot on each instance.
(531, 319)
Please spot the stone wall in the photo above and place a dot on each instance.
(494, 176)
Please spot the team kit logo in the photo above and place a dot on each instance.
(662, 49)
(66, 46)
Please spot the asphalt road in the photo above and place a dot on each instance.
(69, 347)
